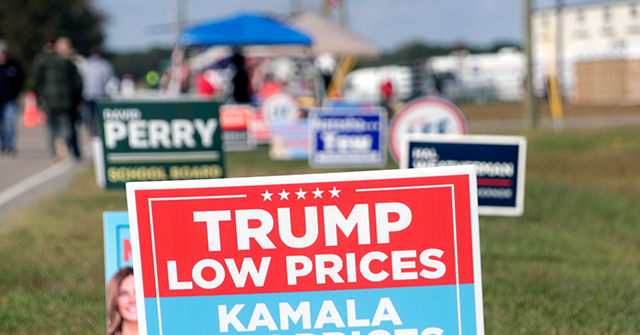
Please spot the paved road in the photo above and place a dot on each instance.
(32, 174)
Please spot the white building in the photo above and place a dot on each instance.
(595, 31)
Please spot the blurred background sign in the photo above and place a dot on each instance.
(500, 165)
(234, 123)
(348, 137)
(289, 140)
(425, 116)
(160, 140)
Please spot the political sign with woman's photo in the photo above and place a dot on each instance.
(122, 313)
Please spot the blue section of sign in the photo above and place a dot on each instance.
(116, 235)
(289, 140)
(344, 138)
(413, 309)
(363, 106)
(496, 166)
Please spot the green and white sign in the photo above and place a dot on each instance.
(159, 140)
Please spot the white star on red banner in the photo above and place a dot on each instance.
(317, 193)
(284, 194)
(266, 195)
(301, 194)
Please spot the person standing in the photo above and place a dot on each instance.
(241, 82)
(58, 87)
(241, 89)
(96, 73)
(11, 81)
(64, 48)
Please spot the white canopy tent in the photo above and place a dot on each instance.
(327, 38)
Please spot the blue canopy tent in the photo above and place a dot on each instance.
(244, 29)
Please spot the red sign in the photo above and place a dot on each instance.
(235, 117)
(335, 234)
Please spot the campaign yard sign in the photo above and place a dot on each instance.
(117, 242)
(353, 137)
(370, 253)
(234, 122)
(280, 107)
(500, 165)
(118, 259)
(160, 140)
(289, 140)
(425, 115)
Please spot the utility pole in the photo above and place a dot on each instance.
(182, 16)
(559, 41)
(343, 14)
(295, 7)
(328, 7)
(530, 115)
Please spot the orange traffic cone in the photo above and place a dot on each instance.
(30, 110)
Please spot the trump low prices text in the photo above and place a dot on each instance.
(326, 257)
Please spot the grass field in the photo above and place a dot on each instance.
(501, 110)
(569, 265)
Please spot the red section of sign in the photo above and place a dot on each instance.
(440, 220)
(258, 128)
(126, 250)
(234, 118)
(497, 182)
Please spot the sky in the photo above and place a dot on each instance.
(139, 24)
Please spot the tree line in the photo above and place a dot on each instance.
(23, 23)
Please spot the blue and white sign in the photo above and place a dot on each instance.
(117, 242)
(289, 140)
(347, 137)
(500, 165)
(122, 311)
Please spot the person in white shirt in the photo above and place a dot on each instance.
(96, 73)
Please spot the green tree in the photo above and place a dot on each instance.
(24, 23)
(502, 44)
(415, 51)
(138, 63)
(408, 53)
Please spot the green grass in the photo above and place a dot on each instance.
(569, 265)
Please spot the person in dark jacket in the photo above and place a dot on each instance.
(240, 80)
(64, 48)
(11, 80)
(58, 87)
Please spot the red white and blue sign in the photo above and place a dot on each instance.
(500, 165)
(117, 242)
(425, 115)
(347, 137)
(289, 140)
(378, 252)
(234, 122)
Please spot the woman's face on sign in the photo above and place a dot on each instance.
(127, 300)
